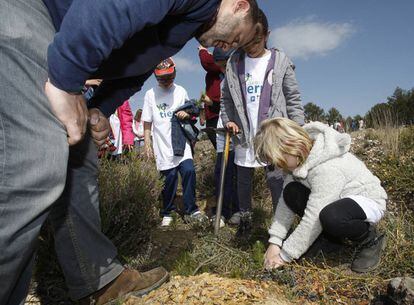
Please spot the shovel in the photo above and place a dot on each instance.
(224, 162)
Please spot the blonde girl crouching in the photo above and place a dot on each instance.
(326, 185)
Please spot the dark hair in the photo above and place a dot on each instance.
(254, 11)
(262, 29)
(263, 21)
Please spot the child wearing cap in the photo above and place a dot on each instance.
(215, 65)
(160, 104)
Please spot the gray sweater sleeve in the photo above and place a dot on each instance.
(291, 92)
(226, 103)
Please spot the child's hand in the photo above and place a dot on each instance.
(182, 115)
(148, 151)
(232, 127)
(272, 258)
(207, 101)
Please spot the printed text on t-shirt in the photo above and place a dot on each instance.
(163, 111)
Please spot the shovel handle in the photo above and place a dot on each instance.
(222, 177)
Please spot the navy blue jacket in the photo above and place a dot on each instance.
(184, 130)
(119, 41)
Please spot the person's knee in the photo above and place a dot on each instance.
(187, 169)
(330, 220)
(292, 192)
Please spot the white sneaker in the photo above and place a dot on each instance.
(235, 219)
(197, 216)
(222, 223)
(166, 221)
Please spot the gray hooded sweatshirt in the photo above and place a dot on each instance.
(285, 100)
(331, 172)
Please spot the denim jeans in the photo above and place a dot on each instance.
(188, 177)
(39, 175)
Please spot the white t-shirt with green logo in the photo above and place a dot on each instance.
(159, 107)
(255, 70)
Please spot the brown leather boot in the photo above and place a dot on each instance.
(129, 282)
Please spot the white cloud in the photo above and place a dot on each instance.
(185, 64)
(306, 38)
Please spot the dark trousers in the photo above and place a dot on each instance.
(212, 135)
(188, 177)
(340, 219)
(274, 179)
(230, 200)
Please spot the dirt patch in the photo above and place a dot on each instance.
(168, 246)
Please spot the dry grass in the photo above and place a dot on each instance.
(387, 129)
(129, 198)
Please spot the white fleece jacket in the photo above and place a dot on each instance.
(331, 172)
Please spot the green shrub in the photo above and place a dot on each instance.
(204, 162)
(185, 264)
(129, 198)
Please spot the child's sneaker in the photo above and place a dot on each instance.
(234, 219)
(166, 221)
(222, 221)
(245, 226)
(195, 217)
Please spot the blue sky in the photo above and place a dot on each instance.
(348, 54)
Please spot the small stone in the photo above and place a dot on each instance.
(401, 290)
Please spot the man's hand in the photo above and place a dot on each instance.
(182, 115)
(99, 126)
(231, 126)
(272, 258)
(71, 111)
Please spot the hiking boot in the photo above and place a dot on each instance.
(368, 253)
(245, 225)
(322, 246)
(128, 283)
(234, 219)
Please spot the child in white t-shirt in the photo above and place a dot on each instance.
(160, 104)
(260, 83)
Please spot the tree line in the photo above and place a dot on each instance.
(397, 111)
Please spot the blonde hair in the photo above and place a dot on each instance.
(278, 136)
